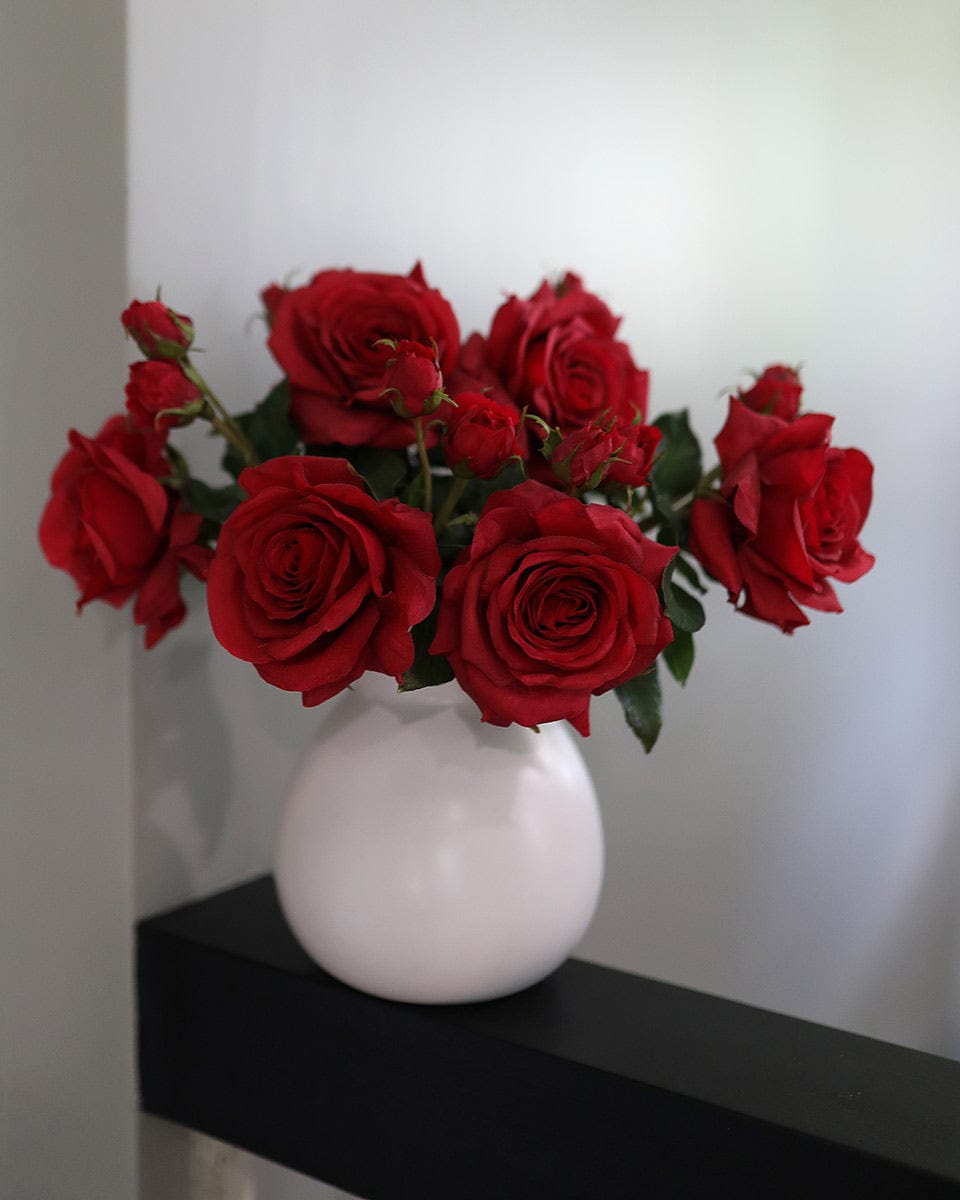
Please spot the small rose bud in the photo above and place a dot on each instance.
(272, 297)
(635, 457)
(482, 435)
(412, 380)
(777, 392)
(159, 395)
(158, 330)
(583, 457)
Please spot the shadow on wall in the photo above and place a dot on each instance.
(184, 756)
(215, 751)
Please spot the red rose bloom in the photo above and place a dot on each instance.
(155, 387)
(116, 530)
(315, 582)
(556, 353)
(157, 330)
(473, 372)
(481, 436)
(325, 337)
(159, 605)
(553, 602)
(777, 392)
(411, 379)
(789, 519)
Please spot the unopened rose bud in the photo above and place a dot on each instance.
(158, 330)
(777, 392)
(584, 456)
(412, 380)
(272, 297)
(635, 457)
(482, 436)
(160, 396)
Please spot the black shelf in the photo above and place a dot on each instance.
(594, 1085)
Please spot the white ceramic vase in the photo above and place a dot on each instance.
(426, 857)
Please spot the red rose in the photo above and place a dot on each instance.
(159, 605)
(481, 436)
(553, 602)
(556, 353)
(315, 582)
(325, 337)
(777, 391)
(473, 372)
(155, 387)
(789, 519)
(412, 379)
(158, 330)
(636, 454)
(116, 530)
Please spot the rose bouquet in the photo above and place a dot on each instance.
(498, 510)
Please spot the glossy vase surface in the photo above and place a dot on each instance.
(424, 856)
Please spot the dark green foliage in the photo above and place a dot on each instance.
(428, 669)
(679, 655)
(268, 428)
(675, 475)
(640, 699)
(683, 610)
(384, 470)
(214, 504)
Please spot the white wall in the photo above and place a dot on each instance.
(67, 1104)
(747, 182)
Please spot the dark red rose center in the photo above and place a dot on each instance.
(553, 606)
(306, 565)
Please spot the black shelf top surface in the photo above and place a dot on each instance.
(880, 1101)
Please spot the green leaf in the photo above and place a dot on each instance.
(268, 428)
(683, 610)
(678, 469)
(180, 468)
(640, 699)
(679, 655)
(384, 470)
(428, 669)
(412, 494)
(214, 504)
(689, 573)
(479, 491)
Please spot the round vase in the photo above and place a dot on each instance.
(427, 857)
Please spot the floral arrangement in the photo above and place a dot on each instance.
(497, 510)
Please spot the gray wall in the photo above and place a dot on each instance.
(745, 182)
(67, 1107)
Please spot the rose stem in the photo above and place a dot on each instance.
(427, 502)
(220, 419)
(446, 510)
(702, 489)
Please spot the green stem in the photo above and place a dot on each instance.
(703, 487)
(709, 479)
(427, 503)
(446, 510)
(218, 416)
